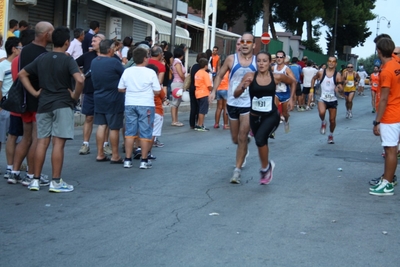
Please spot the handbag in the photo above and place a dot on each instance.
(186, 82)
(16, 98)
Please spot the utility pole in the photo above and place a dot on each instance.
(173, 25)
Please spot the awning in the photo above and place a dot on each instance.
(219, 32)
(163, 27)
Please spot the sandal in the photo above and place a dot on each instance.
(119, 161)
(103, 159)
(226, 127)
(178, 124)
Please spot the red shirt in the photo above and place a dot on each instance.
(158, 64)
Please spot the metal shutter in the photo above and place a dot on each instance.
(43, 11)
(99, 13)
(139, 30)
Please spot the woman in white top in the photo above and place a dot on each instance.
(179, 72)
(127, 42)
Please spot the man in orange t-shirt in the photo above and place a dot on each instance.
(387, 121)
(215, 61)
(203, 85)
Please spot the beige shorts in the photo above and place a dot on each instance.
(58, 123)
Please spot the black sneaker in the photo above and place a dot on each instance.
(150, 156)
(376, 181)
(137, 154)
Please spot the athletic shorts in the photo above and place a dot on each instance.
(235, 112)
(222, 94)
(306, 90)
(283, 96)
(88, 105)
(29, 116)
(203, 105)
(58, 123)
(16, 127)
(298, 89)
(361, 83)
(157, 125)
(348, 93)
(113, 121)
(139, 119)
(390, 133)
(330, 104)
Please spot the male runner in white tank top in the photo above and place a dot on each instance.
(283, 93)
(238, 108)
(328, 101)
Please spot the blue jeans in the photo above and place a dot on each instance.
(139, 119)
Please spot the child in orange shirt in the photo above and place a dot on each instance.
(203, 86)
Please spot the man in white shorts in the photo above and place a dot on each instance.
(363, 75)
(387, 120)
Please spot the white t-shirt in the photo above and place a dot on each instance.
(139, 82)
(3, 53)
(308, 74)
(362, 74)
(75, 49)
(5, 76)
(124, 51)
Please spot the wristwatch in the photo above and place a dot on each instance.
(376, 123)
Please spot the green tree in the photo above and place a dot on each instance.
(229, 11)
(368, 63)
(292, 14)
(352, 20)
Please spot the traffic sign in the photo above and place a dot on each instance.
(377, 62)
(265, 38)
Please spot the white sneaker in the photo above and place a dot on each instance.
(34, 185)
(61, 187)
(107, 150)
(14, 178)
(145, 165)
(245, 159)
(128, 164)
(350, 115)
(287, 127)
(235, 177)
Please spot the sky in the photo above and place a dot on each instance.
(383, 8)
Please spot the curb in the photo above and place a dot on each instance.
(79, 118)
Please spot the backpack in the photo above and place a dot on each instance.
(334, 75)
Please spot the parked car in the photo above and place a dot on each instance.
(366, 81)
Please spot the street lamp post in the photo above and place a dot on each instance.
(335, 31)
(379, 22)
(377, 28)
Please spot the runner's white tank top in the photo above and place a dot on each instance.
(281, 87)
(328, 89)
(235, 77)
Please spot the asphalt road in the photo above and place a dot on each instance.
(184, 211)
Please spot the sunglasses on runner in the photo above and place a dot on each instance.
(246, 42)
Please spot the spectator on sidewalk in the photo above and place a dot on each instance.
(22, 26)
(75, 48)
(55, 112)
(179, 72)
(28, 145)
(87, 40)
(139, 106)
(13, 26)
(108, 102)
